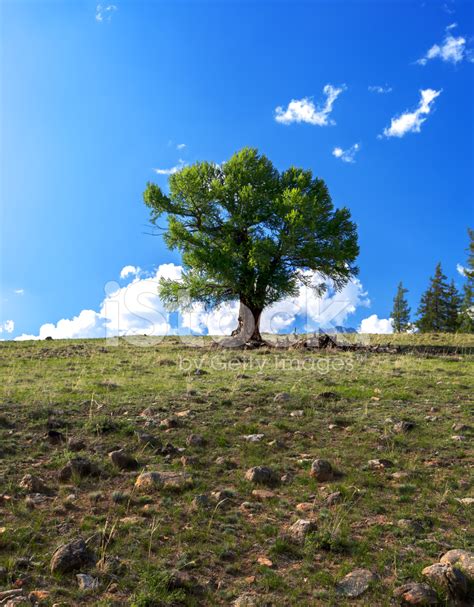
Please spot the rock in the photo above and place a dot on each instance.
(328, 395)
(305, 507)
(459, 438)
(403, 426)
(34, 484)
(246, 600)
(55, 437)
(148, 413)
(76, 444)
(148, 439)
(253, 438)
(250, 507)
(355, 583)
(225, 462)
(445, 575)
(123, 460)
(70, 556)
(196, 440)
(201, 502)
(262, 475)
(333, 498)
(322, 470)
(461, 559)
(379, 464)
(87, 582)
(281, 397)
(153, 481)
(298, 531)
(466, 501)
(461, 427)
(416, 594)
(112, 565)
(80, 467)
(223, 495)
(410, 525)
(182, 580)
(297, 413)
(169, 422)
(263, 494)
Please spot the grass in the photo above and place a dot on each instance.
(97, 393)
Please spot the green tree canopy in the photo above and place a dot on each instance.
(466, 316)
(439, 305)
(401, 311)
(247, 231)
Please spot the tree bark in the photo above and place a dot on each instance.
(248, 328)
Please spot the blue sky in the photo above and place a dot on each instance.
(94, 98)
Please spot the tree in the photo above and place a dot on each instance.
(453, 306)
(466, 315)
(434, 309)
(248, 232)
(401, 312)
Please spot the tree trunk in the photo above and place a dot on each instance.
(248, 325)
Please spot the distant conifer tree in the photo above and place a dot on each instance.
(453, 307)
(466, 315)
(401, 311)
(433, 309)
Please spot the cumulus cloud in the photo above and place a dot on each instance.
(7, 327)
(172, 170)
(346, 155)
(374, 324)
(381, 90)
(453, 49)
(136, 309)
(129, 270)
(461, 269)
(304, 110)
(104, 12)
(180, 146)
(410, 122)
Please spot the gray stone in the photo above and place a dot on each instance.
(355, 583)
(322, 470)
(70, 556)
(416, 594)
(262, 475)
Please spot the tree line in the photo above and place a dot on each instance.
(442, 308)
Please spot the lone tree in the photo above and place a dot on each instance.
(248, 232)
(401, 311)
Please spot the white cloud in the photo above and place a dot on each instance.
(410, 122)
(180, 146)
(104, 12)
(136, 309)
(452, 50)
(172, 170)
(7, 327)
(381, 90)
(346, 155)
(461, 269)
(19, 291)
(130, 270)
(374, 324)
(304, 110)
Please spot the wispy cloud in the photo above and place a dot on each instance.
(410, 122)
(19, 291)
(381, 90)
(461, 269)
(346, 155)
(453, 49)
(104, 12)
(180, 146)
(304, 110)
(172, 170)
(7, 327)
(130, 271)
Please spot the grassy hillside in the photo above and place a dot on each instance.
(61, 400)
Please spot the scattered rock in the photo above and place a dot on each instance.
(298, 531)
(416, 594)
(34, 484)
(328, 395)
(445, 575)
(322, 470)
(55, 437)
(461, 559)
(355, 583)
(148, 439)
(305, 507)
(403, 426)
(281, 397)
(76, 444)
(153, 481)
(333, 498)
(123, 460)
(201, 502)
(466, 501)
(196, 440)
(459, 438)
(263, 494)
(169, 422)
(227, 463)
(262, 475)
(253, 438)
(459, 427)
(246, 600)
(87, 582)
(379, 464)
(112, 565)
(70, 556)
(297, 413)
(78, 466)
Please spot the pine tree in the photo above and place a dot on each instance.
(401, 312)
(466, 316)
(433, 309)
(453, 306)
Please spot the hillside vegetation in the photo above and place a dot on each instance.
(209, 530)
